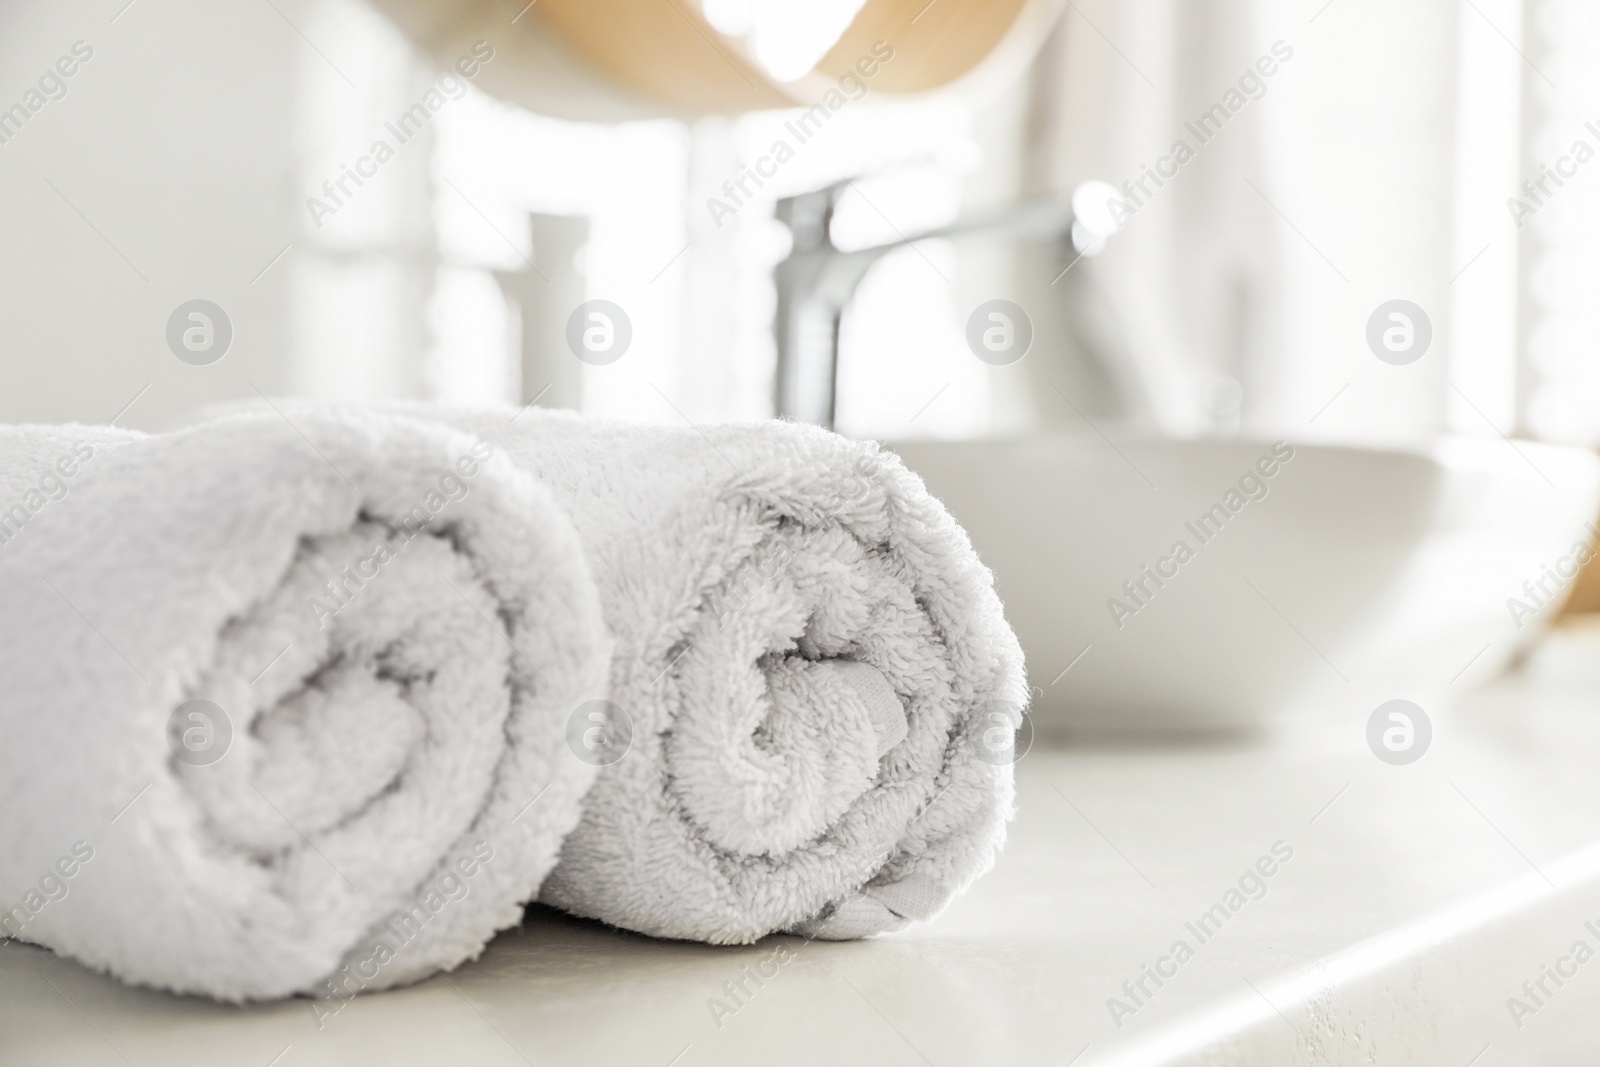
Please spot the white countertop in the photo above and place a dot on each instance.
(1418, 899)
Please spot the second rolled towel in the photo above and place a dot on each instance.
(810, 665)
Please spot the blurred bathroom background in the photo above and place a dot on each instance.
(1374, 164)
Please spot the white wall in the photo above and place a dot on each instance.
(174, 142)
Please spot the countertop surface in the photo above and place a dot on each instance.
(1405, 907)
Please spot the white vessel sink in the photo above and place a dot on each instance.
(1359, 576)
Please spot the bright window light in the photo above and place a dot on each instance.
(786, 37)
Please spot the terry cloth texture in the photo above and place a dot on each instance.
(809, 661)
(379, 625)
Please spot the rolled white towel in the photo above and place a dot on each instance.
(283, 704)
(810, 666)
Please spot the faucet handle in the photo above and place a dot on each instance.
(809, 216)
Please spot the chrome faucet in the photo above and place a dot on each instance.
(817, 280)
